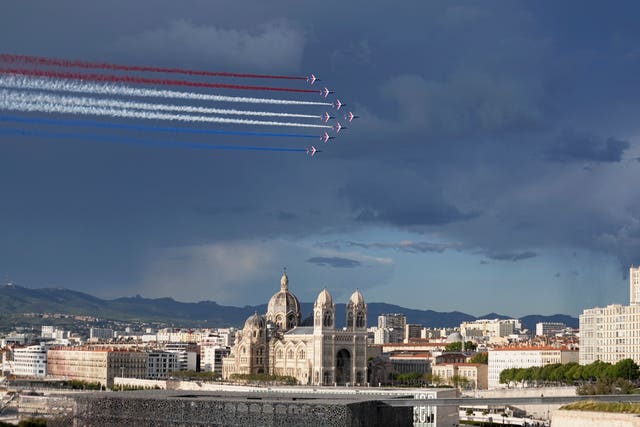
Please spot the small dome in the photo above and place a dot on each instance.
(454, 337)
(255, 321)
(324, 298)
(356, 298)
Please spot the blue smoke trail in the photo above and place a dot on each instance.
(105, 125)
(108, 138)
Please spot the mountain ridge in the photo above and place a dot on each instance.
(16, 299)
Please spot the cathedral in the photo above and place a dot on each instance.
(314, 352)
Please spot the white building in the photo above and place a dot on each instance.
(187, 353)
(612, 333)
(29, 361)
(211, 356)
(544, 329)
(634, 285)
(525, 357)
(490, 328)
(100, 333)
(394, 324)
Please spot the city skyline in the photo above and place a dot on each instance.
(492, 167)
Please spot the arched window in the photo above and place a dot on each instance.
(360, 320)
(279, 355)
(290, 321)
(301, 354)
(327, 319)
(349, 320)
(290, 354)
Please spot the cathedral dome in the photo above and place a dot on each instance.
(255, 321)
(356, 298)
(284, 308)
(454, 337)
(324, 298)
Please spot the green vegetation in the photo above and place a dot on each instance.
(480, 358)
(201, 376)
(411, 379)
(592, 379)
(264, 379)
(457, 346)
(590, 405)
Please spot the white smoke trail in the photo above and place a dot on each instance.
(23, 82)
(99, 102)
(8, 102)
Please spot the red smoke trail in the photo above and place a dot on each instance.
(54, 62)
(143, 80)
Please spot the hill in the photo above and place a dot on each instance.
(17, 299)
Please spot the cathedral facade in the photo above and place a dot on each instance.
(314, 352)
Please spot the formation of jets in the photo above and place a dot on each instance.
(337, 104)
(311, 151)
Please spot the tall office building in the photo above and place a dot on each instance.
(612, 333)
(634, 285)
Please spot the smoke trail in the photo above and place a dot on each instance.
(144, 80)
(104, 138)
(37, 60)
(98, 102)
(13, 103)
(104, 125)
(23, 82)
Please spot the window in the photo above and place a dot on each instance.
(360, 320)
(328, 321)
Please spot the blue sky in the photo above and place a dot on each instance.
(494, 166)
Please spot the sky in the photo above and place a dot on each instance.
(494, 167)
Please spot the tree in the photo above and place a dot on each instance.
(626, 369)
(480, 358)
(457, 346)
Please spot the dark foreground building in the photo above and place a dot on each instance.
(183, 408)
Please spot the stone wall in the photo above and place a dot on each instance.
(159, 408)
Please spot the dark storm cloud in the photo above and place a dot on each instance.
(456, 101)
(412, 204)
(336, 262)
(207, 44)
(573, 147)
(511, 256)
(404, 246)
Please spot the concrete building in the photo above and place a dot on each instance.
(412, 332)
(276, 343)
(410, 362)
(211, 357)
(160, 364)
(96, 364)
(188, 355)
(612, 333)
(100, 334)
(489, 328)
(545, 329)
(29, 361)
(394, 324)
(634, 285)
(525, 357)
(475, 374)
